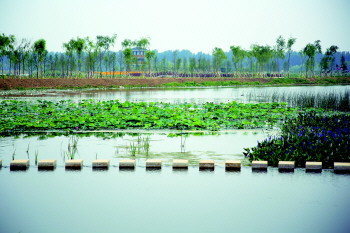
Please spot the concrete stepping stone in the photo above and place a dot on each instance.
(74, 164)
(259, 165)
(341, 167)
(180, 163)
(286, 166)
(100, 164)
(20, 164)
(233, 165)
(153, 163)
(127, 163)
(47, 164)
(206, 164)
(313, 166)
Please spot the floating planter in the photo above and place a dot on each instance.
(206, 164)
(233, 165)
(154, 163)
(259, 165)
(313, 166)
(47, 164)
(74, 164)
(19, 164)
(286, 166)
(127, 164)
(340, 167)
(180, 164)
(100, 164)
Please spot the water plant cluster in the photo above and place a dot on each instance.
(311, 136)
(337, 101)
(92, 115)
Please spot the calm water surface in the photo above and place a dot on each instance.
(166, 200)
(173, 201)
(174, 95)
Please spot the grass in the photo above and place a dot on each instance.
(330, 100)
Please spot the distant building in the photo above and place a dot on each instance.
(139, 53)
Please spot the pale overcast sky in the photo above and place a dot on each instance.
(197, 25)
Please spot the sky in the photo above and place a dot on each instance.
(196, 25)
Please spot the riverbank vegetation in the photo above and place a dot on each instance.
(311, 136)
(85, 57)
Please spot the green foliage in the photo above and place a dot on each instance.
(91, 115)
(219, 56)
(311, 136)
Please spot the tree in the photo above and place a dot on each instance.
(310, 51)
(69, 49)
(263, 55)
(149, 56)
(327, 61)
(219, 57)
(192, 65)
(127, 52)
(79, 46)
(238, 54)
(39, 51)
(104, 42)
(279, 52)
(290, 43)
(343, 65)
(6, 48)
(91, 50)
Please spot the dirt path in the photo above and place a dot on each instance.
(17, 83)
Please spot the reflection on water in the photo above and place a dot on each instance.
(173, 201)
(174, 95)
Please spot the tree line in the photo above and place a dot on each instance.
(87, 57)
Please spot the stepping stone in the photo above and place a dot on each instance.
(206, 164)
(341, 167)
(47, 164)
(153, 163)
(74, 164)
(313, 166)
(100, 163)
(127, 163)
(180, 163)
(287, 166)
(21, 164)
(233, 165)
(259, 165)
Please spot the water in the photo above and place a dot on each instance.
(219, 146)
(173, 95)
(173, 201)
(164, 201)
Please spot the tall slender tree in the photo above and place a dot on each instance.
(39, 52)
(310, 51)
(218, 57)
(290, 43)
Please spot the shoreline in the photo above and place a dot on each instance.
(68, 83)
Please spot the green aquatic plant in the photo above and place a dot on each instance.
(20, 116)
(311, 136)
(146, 145)
(132, 149)
(36, 157)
